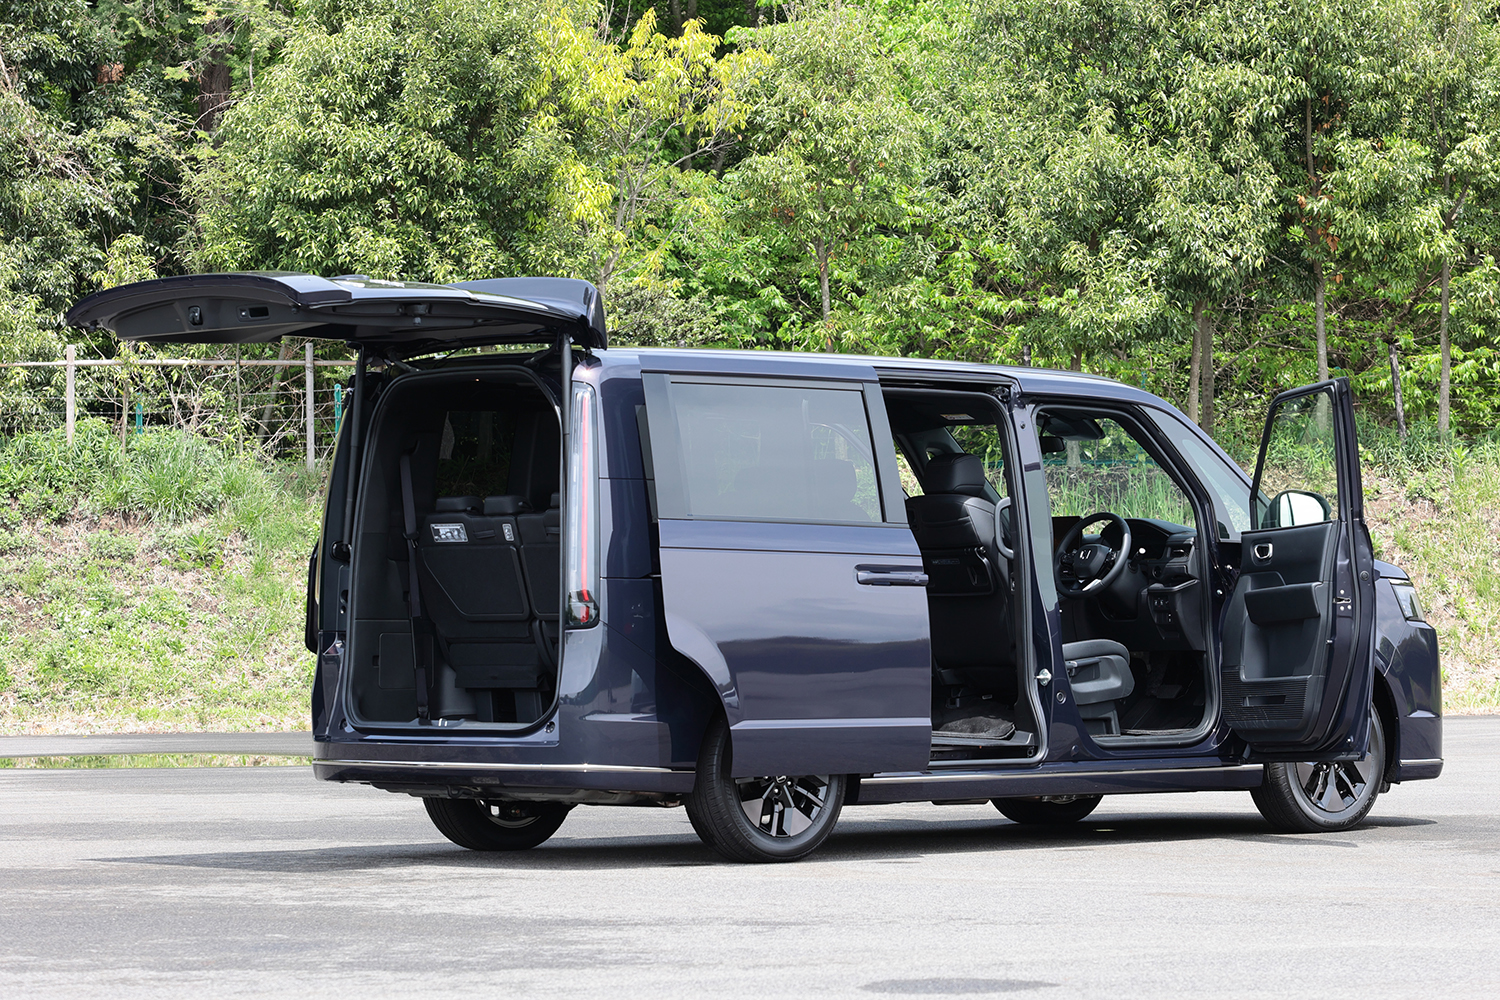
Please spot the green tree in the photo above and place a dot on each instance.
(639, 116)
(835, 145)
(392, 139)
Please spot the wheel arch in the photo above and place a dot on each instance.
(1385, 705)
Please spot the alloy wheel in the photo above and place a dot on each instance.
(783, 806)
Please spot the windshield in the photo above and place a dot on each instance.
(1220, 477)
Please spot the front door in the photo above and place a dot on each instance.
(788, 573)
(1296, 664)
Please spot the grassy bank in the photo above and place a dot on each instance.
(154, 588)
(160, 587)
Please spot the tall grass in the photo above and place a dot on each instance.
(162, 476)
(152, 584)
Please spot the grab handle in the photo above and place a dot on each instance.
(890, 576)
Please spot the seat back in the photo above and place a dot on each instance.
(541, 555)
(474, 590)
(968, 590)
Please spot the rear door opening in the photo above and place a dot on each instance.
(435, 594)
(460, 501)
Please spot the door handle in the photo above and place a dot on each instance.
(1262, 551)
(890, 576)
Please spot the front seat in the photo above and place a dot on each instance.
(968, 589)
(1099, 674)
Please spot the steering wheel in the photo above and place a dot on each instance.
(1092, 567)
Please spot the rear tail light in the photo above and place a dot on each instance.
(583, 509)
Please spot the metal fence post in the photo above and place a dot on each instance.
(311, 455)
(69, 406)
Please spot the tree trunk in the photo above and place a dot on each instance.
(692, 10)
(675, 7)
(214, 83)
(1026, 355)
(1445, 346)
(284, 354)
(1396, 390)
(1319, 321)
(1075, 455)
(752, 13)
(1206, 369)
(820, 247)
(1195, 366)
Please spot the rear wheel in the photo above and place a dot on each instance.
(1047, 810)
(768, 818)
(1323, 797)
(482, 825)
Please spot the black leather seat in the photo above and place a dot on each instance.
(1099, 673)
(474, 590)
(968, 590)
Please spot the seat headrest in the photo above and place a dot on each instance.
(961, 473)
(457, 505)
(505, 505)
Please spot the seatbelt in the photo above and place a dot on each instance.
(421, 633)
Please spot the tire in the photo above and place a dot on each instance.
(482, 825)
(1047, 810)
(793, 813)
(1323, 798)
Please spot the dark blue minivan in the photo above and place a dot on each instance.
(768, 586)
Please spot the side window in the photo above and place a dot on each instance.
(1297, 475)
(910, 484)
(770, 451)
(474, 453)
(1095, 464)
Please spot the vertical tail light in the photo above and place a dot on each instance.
(583, 509)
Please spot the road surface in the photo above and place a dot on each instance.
(263, 882)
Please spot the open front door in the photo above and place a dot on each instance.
(1296, 665)
(788, 572)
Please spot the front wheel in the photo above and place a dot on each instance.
(769, 818)
(482, 825)
(1323, 797)
(1047, 810)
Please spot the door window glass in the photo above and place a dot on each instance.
(775, 452)
(1298, 477)
(1095, 464)
(474, 453)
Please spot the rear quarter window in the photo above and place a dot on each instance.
(765, 452)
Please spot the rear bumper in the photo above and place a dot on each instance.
(1417, 770)
(488, 767)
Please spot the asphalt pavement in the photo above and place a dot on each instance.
(263, 882)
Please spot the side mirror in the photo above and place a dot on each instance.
(1291, 508)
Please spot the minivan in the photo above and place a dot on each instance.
(767, 586)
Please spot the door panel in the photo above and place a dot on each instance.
(783, 579)
(1296, 629)
(818, 672)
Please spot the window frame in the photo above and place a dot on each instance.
(669, 483)
(1258, 498)
(1151, 438)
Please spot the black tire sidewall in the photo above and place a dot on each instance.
(1284, 809)
(716, 814)
(1039, 812)
(466, 822)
